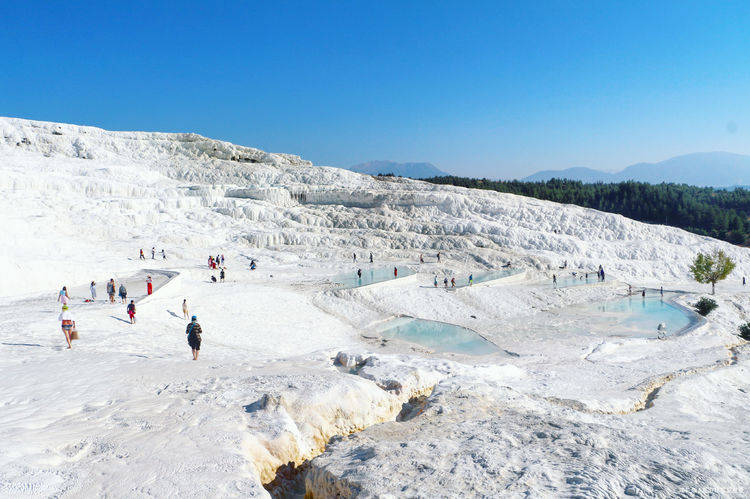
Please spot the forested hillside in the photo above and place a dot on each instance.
(718, 213)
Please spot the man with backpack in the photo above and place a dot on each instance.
(194, 332)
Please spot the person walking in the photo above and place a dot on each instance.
(131, 311)
(554, 280)
(222, 258)
(438, 257)
(370, 257)
(421, 258)
(63, 296)
(153, 252)
(193, 333)
(471, 279)
(149, 285)
(355, 257)
(185, 312)
(123, 292)
(453, 282)
(92, 287)
(395, 272)
(359, 273)
(163, 255)
(221, 275)
(445, 282)
(142, 257)
(111, 290)
(66, 323)
(434, 281)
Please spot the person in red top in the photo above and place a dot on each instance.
(149, 285)
(395, 272)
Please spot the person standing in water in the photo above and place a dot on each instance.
(185, 312)
(554, 280)
(395, 272)
(359, 273)
(453, 282)
(193, 333)
(471, 279)
(149, 285)
(123, 292)
(371, 257)
(131, 311)
(111, 290)
(66, 323)
(92, 287)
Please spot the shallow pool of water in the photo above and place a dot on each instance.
(369, 276)
(567, 281)
(635, 316)
(436, 336)
(486, 276)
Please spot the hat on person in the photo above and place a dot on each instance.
(194, 318)
(65, 307)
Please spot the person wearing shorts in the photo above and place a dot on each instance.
(194, 332)
(66, 323)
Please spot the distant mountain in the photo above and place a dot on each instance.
(716, 169)
(579, 173)
(411, 170)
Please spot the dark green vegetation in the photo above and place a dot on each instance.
(705, 306)
(745, 331)
(718, 213)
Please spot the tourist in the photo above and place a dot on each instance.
(163, 255)
(63, 296)
(445, 282)
(395, 272)
(153, 252)
(661, 290)
(370, 257)
(355, 257)
(438, 257)
(185, 313)
(222, 258)
(421, 259)
(252, 265)
(111, 290)
(643, 293)
(131, 311)
(213, 278)
(554, 280)
(149, 285)
(221, 275)
(141, 256)
(471, 279)
(194, 332)
(453, 282)
(435, 281)
(66, 323)
(359, 273)
(92, 288)
(123, 292)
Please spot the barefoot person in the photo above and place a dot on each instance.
(111, 290)
(185, 312)
(123, 292)
(66, 322)
(93, 290)
(149, 285)
(194, 332)
(63, 296)
(131, 311)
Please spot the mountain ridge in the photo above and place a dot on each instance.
(409, 169)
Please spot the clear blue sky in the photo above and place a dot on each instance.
(498, 89)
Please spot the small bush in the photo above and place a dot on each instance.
(745, 331)
(705, 306)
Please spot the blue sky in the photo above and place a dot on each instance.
(497, 89)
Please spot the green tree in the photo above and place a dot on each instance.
(711, 268)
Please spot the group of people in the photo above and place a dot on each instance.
(67, 323)
(452, 281)
(421, 257)
(214, 262)
(153, 254)
(354, 255)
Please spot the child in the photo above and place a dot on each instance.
(131, 311)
